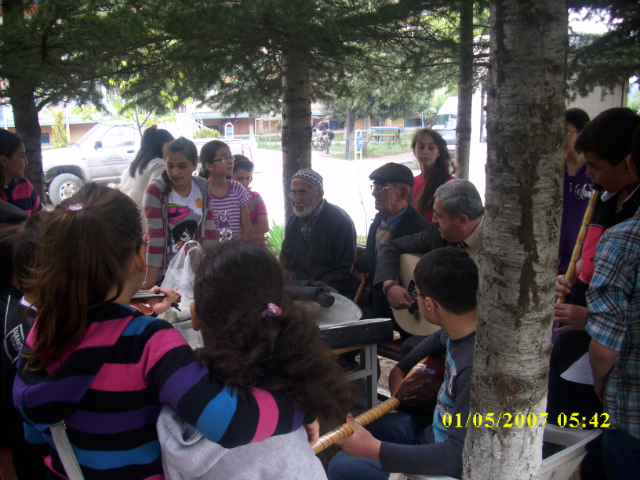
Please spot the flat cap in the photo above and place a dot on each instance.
(393, 172)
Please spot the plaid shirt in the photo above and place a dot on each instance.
(307, 223)
(614, 319)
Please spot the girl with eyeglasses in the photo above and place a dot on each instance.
(228, 198)
(176, 207)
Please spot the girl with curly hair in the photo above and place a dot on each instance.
(254, 337)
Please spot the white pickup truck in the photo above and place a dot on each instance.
(100, 156)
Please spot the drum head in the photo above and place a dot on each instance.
(342, 311)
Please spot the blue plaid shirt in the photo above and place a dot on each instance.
(614, 319)
(308, 222)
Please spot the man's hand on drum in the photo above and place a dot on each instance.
(361, 444)
(361, 276)
(161, 305)
(573, 317)
(399, 298)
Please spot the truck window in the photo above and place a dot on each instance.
(120, 136)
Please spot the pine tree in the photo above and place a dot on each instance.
(60, 138)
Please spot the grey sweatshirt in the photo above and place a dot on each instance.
(186, 454)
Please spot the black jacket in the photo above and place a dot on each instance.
(411, 222)
(328, 255)
(389, 253)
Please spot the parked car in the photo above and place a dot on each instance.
(100, 156)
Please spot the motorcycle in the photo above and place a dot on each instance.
(321, 137)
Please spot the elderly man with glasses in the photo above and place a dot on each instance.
(320, 239)
(391, 189)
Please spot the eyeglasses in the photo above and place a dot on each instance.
(301, 194)
(230, 159)
(417, 295)
(378, 188)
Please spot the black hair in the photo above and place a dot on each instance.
(244, 347)
(183, 146)
(7, 237)
(242, 163)
(25, 246)
(608, 136)
(576, 117)
(179, 229)
(150, 147)
(635, 149)
(9, 143)
(450, 277)
(208, 153)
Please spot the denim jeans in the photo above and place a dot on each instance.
(397, 427)
(621, 455)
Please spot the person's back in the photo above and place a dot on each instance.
(249, 342)
(105, 370)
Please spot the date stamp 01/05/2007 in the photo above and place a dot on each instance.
(520, 420)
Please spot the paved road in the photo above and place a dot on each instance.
(346, 182)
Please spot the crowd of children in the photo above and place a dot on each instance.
(137, 402)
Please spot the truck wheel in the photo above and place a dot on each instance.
(64, 186)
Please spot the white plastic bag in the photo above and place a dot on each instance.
(179, 275)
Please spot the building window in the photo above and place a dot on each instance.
(44, 138)
(412, 122)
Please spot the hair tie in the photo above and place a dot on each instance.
(272, 311)
(155, 127)
(75, 207)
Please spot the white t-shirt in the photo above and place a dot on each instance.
(184, 215)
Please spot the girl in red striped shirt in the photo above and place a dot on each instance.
(16, 189)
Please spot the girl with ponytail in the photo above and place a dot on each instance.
(106, 370)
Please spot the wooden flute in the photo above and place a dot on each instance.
(427, 377)
(577, 250)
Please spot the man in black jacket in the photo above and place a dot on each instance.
(320, 239)
(391, 189)
(457, 220)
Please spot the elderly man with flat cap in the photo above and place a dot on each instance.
(320, 239)
(392, 190)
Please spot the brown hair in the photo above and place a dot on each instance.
(208, 153)
(86, 247)
(243, 348)
(25, 246)
(183, 146)
(441, 172)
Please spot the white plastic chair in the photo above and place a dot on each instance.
(559, 466)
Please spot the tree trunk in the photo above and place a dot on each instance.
(25, 117)
(296, 118)
(22, 96)
(465, 88)
(520, 236)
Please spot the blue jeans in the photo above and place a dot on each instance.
(397, 427)
(621, 455)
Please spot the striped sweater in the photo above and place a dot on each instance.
(21, 193)
(155, 211)
(110, 387)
